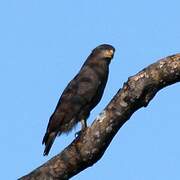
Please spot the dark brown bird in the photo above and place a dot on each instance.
(81, 95)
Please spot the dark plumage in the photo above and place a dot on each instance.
(81, 95)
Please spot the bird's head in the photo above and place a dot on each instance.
(104, 51)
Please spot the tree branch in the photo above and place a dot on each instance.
(91, 144)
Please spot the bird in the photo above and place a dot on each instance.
(81, 95)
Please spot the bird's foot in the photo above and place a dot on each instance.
(84, 126)
(79, 132)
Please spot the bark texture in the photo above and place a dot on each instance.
(91, 144)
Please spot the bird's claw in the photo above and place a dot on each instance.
(79, 132)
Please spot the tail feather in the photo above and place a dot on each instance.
(48, 141)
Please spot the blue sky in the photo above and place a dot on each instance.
(44, 43)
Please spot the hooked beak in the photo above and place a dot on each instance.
(109, 53)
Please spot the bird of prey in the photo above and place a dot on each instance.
(81, 95)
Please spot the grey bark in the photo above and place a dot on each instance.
(90, 145)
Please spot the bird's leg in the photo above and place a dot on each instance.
(83, 127)
(83, 124)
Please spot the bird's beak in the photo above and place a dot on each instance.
(109, 53)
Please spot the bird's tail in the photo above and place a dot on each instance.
(48, 141)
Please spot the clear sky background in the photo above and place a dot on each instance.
(43, 45)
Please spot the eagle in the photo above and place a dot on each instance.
(81, 95)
